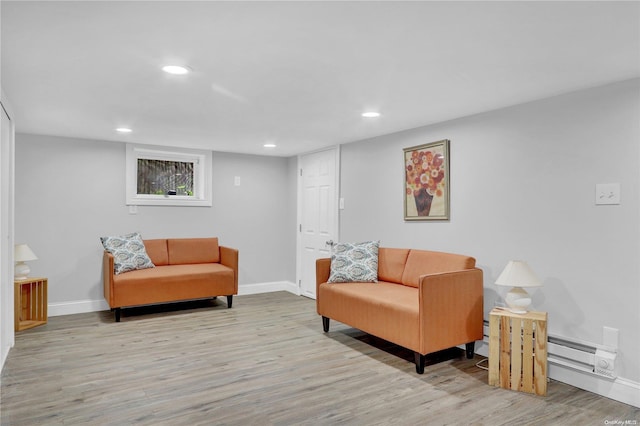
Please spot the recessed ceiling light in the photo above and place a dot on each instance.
(175, 69)
(123, 130)
(269, 145)
(370, 114)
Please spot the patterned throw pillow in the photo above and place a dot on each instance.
(128, 251)
(354, 262)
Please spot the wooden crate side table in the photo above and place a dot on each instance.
(30, 303)
(518, 351)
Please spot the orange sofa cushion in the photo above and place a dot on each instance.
(387, 310)
(391, 263)
(193, 250)
(157, 251)
(423, 262)
(172, 283)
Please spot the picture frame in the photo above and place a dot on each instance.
(426, 181)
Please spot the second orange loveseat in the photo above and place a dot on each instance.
(425, 301)
(184, 269)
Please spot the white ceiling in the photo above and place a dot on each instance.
(298, 74)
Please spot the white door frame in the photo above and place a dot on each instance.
(7, 182)
(299, 208)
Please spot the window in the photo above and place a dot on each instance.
(168, 176)
(162, 177)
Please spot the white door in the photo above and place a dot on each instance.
(318, 214)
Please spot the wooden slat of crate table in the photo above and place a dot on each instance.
(540, 366)
(516, 354)
(494, 350)
(527, 348)
(505, 355)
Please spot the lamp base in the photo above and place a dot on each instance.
(518, 300)
(21, 271)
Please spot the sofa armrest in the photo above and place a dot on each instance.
(451, 309)
(107, 277)
(323, 270)
(229, 257)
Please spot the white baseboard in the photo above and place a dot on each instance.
(76, 307)
(83, 306)
(619, 389)
(268, 288)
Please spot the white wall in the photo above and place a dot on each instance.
(522, 187)
(69, 192)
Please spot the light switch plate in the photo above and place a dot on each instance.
(607, 193)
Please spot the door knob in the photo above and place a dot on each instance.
(329, 243)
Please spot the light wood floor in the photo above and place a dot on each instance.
(266, 361)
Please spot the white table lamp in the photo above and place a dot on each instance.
(22, 253)
(518, 274)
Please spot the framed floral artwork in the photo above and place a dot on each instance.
(426, 181)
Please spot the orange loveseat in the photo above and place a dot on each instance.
(425, 301)
(185, 269)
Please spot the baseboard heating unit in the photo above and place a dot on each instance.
(576, 354)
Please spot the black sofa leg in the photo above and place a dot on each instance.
(420, 361)
(117, 312)
(470, 349)
(229, 301)
(325, 324)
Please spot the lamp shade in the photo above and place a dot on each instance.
(518, 274)
(23, 253)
